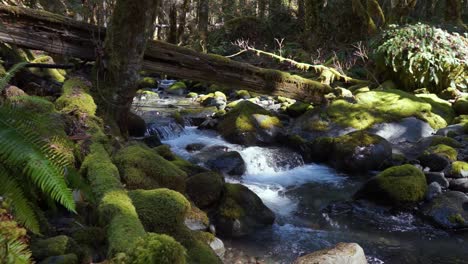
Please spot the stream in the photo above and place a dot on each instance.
(313, 210)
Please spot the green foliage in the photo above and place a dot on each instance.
(25, 159)
(158, 249)
(420, 55)
(54, 246)
(5, 79)
(13, 243)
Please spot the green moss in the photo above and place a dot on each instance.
(75, 98)
(444, 150)
(231, 208)
(184, 165)
(198, 215)
(62, 259)
(199, 252)
(242, 94)
(143, 168)
(115, 208)
(34, 104)
(439, 106)
(177, 86)
(462, 119)
(158, 249)
(178, 118)
(298, 108)
(90, 236)
(160, 210)
(245, 117)
(192, 95)
(54, 74)
(54, 246)
(204, 189)
(380, 106)
(456, 219)
(461, 106)
(350, 141)
(147, 82)
(437, 140)
(205, 237)
(401, 184)
(458, 167)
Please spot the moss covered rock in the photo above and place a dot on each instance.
(147, 82)
(242, 94)
(461, 106)
(158, 249)
(458, 169)
(205, 189)
(448, 210)
(54, 246)
(298, 108)
(396, 186)
(75, 98)
(443, 150)
(186, 166)
(241, 212)
(143, 168)
(178, 88)
(360, 152)
(249, 124)
(160, 210)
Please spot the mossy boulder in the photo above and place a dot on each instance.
(186, 166)
(205, 189)
(360, 152)
(196, 219)
(230, 162)
(443, 150)
(383, 106)
(57, 75)
(242, 94)
(75, 98)
(437, 140)
(143, 168)
(54, 246)
(397, 185)
(448, 210)
(241, 212)
(249, 124)
(160, 210)
(62, 259)
(298, 108)
(178, 88)
(458, 169)
(147, 82)
(461, 106)
(158, 249)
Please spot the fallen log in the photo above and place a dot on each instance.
(41, 30)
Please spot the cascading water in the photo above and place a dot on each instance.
(298, 193)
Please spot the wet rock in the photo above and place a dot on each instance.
(437, 177)
(230, 163)
(459, 185)
(152, 141)
(250, 124)
(448, 210)
(342, 253)
(136, 125)
(209, 123)
(408, 129)
(194, 147)
(360, 152)
(456, 129)
(217, 246)
(433, 190)
(434, 162)
(241, 212)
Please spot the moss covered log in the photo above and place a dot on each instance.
(60, 35)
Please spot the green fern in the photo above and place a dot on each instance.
(9, 74)
(27, 157)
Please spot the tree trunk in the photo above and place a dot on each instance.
(117, 69)
(39, 30)
(172, 36)
(275, 8)
(453, 12)
(182, 20)
(262, 4)
(300, 11)
(203, 16)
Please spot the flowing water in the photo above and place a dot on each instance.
(309, 201)
(313, 208)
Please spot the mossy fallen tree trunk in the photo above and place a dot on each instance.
(40, 30)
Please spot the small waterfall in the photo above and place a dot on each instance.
(270, 160)
(165, 128)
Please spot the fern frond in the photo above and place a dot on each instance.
(24, 150)
(14, 251)
(9, 74)
(23, 211)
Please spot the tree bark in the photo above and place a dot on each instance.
(172, 36)
(182, 20)
(118, 68)
(262, 4)
(203, 16)
(39, 30)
